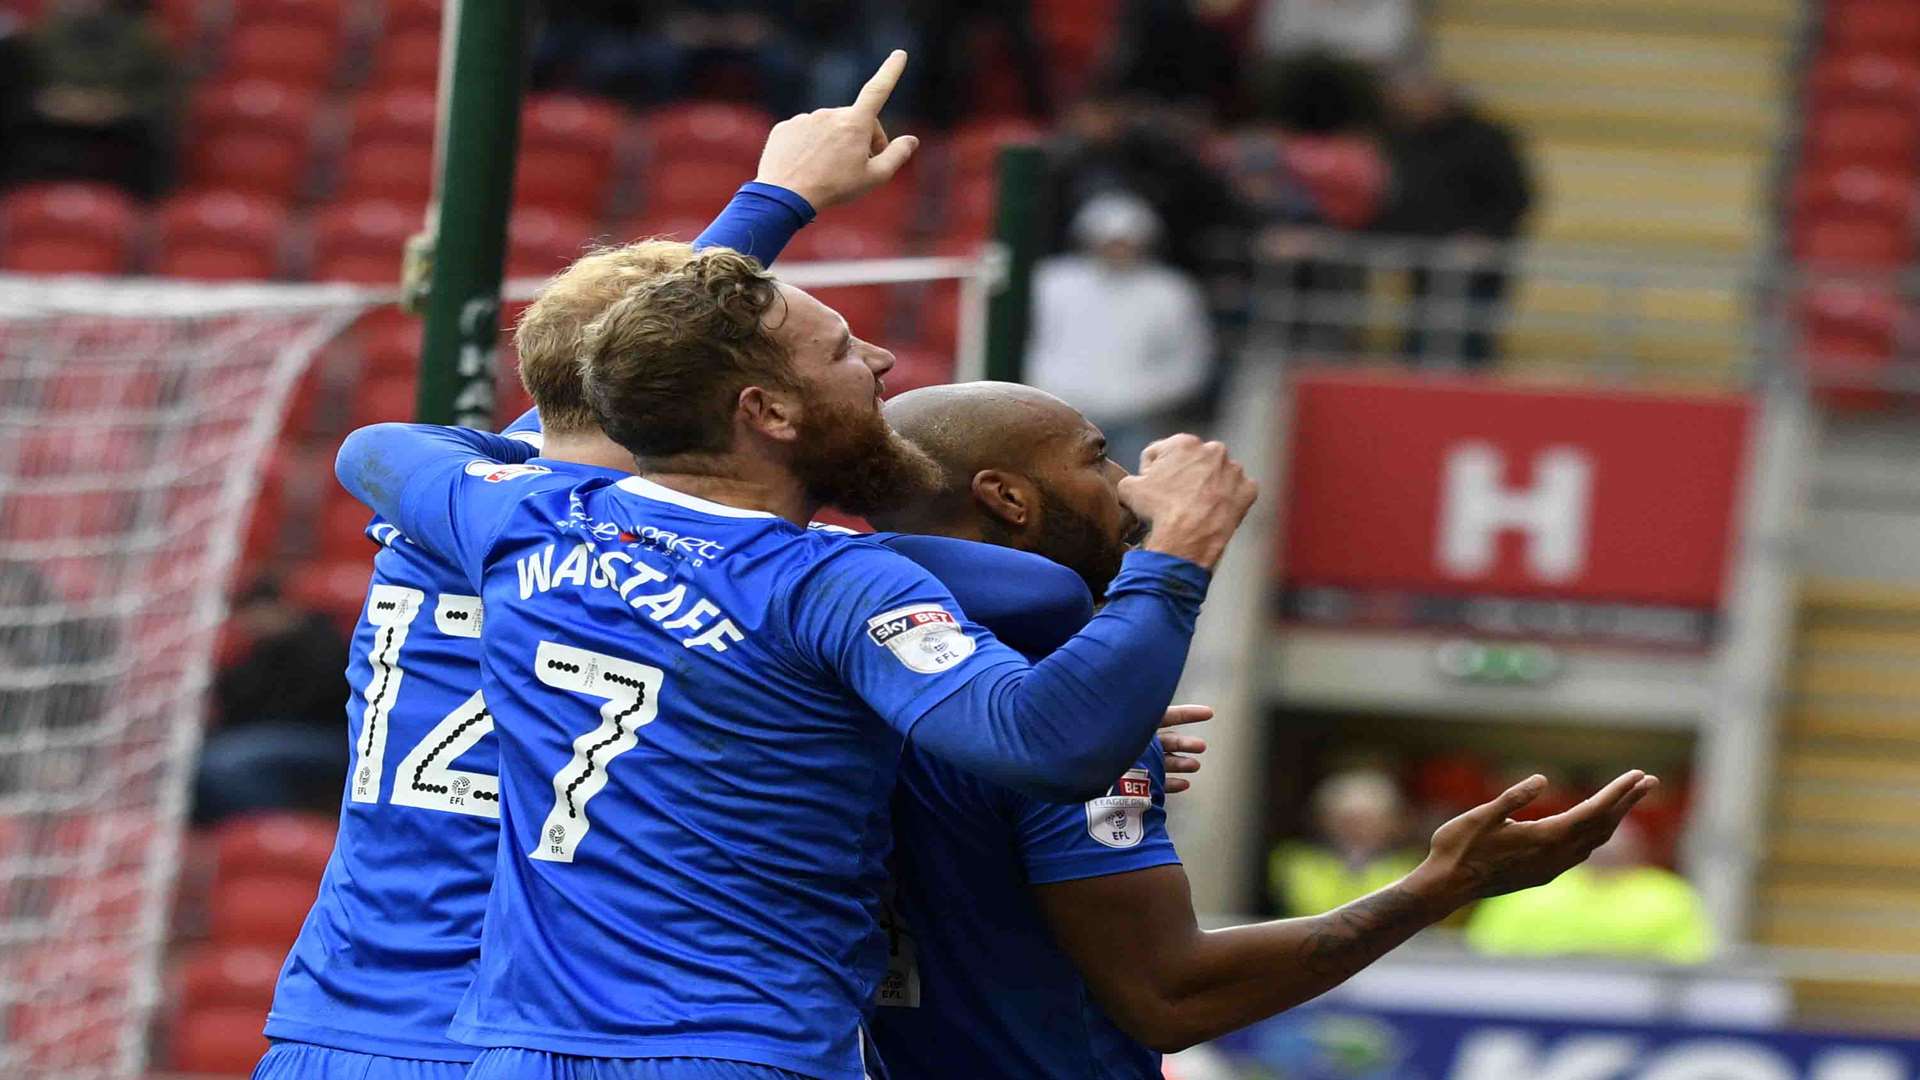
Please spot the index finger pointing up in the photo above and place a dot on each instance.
(873, 96)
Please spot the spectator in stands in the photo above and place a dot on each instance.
(1374, 31)
(1460, 180)
(1363, 820)
(646, 54)
(1120, 336)
(948, 68)
(1617, 904)
(1110, 142)
(100, 101)
(1178, 52)
(276, 742)
(1312, 169)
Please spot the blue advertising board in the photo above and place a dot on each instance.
(1324, 1042)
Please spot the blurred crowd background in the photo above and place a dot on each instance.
(1705, 198)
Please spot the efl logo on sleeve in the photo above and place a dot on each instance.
(493, 472)
(1118, 819)
(924, 637)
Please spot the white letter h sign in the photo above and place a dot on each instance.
(1475, 509)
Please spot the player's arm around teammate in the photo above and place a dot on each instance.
(1170, 984)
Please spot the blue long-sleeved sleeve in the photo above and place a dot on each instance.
(1058, 729)
(1063, 729)
(397, 470)
(758, 221)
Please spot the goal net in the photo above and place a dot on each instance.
(134, 419)
(137, 419)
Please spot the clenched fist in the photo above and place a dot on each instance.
(1192, 495)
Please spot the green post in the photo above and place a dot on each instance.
(1017, 228)
(480, 83)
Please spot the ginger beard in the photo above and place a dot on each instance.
(849, 458)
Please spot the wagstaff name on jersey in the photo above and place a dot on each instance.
(582, 566)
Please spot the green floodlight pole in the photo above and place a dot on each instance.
(1019, 178)
(455, 267)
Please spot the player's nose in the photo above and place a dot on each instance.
(879, 360)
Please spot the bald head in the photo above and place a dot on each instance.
(1019, 468)
(967, 427)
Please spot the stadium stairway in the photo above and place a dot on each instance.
(1652, 126)
(1842, 868)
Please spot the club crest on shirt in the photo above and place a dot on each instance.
(924, 637)
(1118, 818)
(493, 472)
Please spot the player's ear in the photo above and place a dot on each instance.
(771, 413)
(1006, 496)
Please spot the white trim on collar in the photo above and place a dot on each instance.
(647, 489)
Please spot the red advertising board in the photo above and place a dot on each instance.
(1569, 513)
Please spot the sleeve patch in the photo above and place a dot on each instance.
(493, 472)
(1118, 818)
(924, 637)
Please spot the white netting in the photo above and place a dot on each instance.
(134, 418)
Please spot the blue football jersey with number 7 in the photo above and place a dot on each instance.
(699, 709)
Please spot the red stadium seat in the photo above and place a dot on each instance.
(1861, 134)
(76, 450)
(384, 399)
(1844, 375)
(402, 16)
(1883, 25)
(67, 229)
(823, 242)
(1858, 191)
(710, 132)
(343, 525)
(219, 236)
(218, 1040)
(402, 114)
(1866, 79)
(969, 210)
(865, 307)
(217, 976)
(1851, 242)
(407, 58)
(914, 368)
(398, 171)
(684, 227)
(46, 517)
(300, 53)
(568, 149)
(542, 243)
(363, 241)
(273, 845)
(255, 135)
(390, 350)
(1865, 318)
(974, 150)
(692, 188)
(339, 588)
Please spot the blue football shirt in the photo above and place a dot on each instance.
(694, 810)
(976, 986)
(393, 935)
(392, 940)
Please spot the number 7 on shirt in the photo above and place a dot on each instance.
(631, 693)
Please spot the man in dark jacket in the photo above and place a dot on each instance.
(1459, 179)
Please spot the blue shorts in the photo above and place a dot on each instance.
(511, 1063)
(305, 1061)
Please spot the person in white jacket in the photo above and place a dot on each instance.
(1123, 338)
